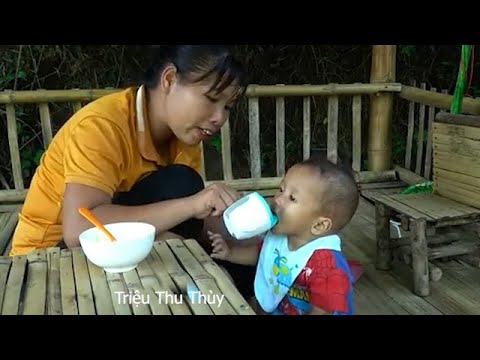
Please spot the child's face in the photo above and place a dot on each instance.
(297, 203)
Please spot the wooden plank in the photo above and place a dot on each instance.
(379, 302)
(366, 243)
(371, 194)
(153, 289)
(4, 216)
(428, 150)
(82, 282)
(5, 262)
(187, 260)
(467, 276)
(13, 195)
(460, 294)
(280, 135)
(457, 143)
(14, 148)
(181, 278)
(392, 202)
(357, 133)
(166, 284)
(399, 293)
(434, 206)
(8, 208)
(457, 185)
(458, 119)
(7, 231)
(332, 137)
(226, 151)
(161, 272)
(459, 149)
(421, 125)
(225, 285)
(382, 185)
(467, 132)
(307, 133)
(36, 286)
(456, 163)
(458, 195)
(408, 176)
(11, 300)
(205, 283)
(67, 283)
(46, 123)
(454, 176)
(140, 304)
(101, 293)
(410, 130)
(7, 249)
(54, 298)
(254, 137)
(118, 292)
(441, 296)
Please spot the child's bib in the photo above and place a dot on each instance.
(278, 267)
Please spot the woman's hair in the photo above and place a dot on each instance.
(196, 63)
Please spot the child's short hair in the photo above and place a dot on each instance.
(340, 198)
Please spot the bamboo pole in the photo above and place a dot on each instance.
(380, 139)
(248, 184)
(438, 100)
(44, 96)
(12, 196)
(321, 90)
(85, 95)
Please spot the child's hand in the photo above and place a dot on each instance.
(220, 247)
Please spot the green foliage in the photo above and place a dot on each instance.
(216, 142)
(406, 50)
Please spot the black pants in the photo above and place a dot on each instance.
(177, 181)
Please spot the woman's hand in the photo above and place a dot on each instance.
(213, 200)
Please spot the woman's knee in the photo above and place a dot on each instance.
(169, 182)
(187, 179)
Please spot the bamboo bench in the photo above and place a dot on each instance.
(64, 282)
(437, 221)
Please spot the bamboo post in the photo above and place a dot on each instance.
(380, 139)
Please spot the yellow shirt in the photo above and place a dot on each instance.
(104, 145)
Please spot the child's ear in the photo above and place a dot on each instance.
(321, 226)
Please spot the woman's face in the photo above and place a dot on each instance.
(192, 114)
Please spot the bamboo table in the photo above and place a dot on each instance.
(64, 282)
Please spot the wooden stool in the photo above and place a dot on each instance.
(424, 215)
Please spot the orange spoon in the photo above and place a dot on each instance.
(90, 217)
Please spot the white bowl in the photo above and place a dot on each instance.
(134, 243)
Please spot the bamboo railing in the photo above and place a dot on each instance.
(428, 102)
(423, 105)
(78, 97)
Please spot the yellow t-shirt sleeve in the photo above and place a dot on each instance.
(95, 155)
(191, 156)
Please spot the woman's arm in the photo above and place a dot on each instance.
(163, 215)
(96, 157)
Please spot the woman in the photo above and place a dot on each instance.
(134, 155)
